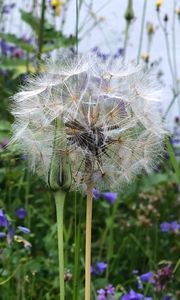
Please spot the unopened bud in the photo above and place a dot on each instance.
(129, 14)
(59, 175)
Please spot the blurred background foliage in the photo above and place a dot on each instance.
(131, 235)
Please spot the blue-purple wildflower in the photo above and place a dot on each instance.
(170, 226)
(147, 277)
(2, 234)
(108, 293)
(3, 219)
(110, 197)
(21, 213)
(99, 268)
(132, 295)
(6, 9)
(24, 229)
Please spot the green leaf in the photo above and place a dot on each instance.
(173, 160)
(19, 66)
(52, 39)
(11, 38)
(32, 21)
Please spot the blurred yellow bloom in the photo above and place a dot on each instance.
(150, 28)
(57, 4)
(145, 57)
(159, 3)
(178, 11)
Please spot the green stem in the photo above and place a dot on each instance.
(59, 199)
(41, 29)
(126, 37)
(142, 29)
(77, 24)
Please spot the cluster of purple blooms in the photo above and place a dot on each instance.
(99, 268)
(110, 197)
(159, 279)
(10, 50)
(132, 295)
(170, 226)
(108, 293)
(105, 56)
(8, 230)
(175, 138)
(6, 9)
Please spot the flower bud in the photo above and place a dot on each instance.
(59, 175)
(129, 14)
(158, 4)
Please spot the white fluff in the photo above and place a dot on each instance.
(111, 119)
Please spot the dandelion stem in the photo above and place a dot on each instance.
(88, 241)
(59, 199)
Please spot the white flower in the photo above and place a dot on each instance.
(112, 127)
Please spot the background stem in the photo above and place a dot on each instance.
(41, 29)
(88, 241)
(142, 30)
(59, 199)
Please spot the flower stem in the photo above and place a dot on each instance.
(88, 241)
(142, 30)
(59, 199)
(41, 29)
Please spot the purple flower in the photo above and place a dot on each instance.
(24, 229)
(6, 9)
(110, 290)
(3, 219)
(107, 293)
(2, 235)
(110, 196)
(101, 267)
(167, 226)
(10, 234)
(166, 297)
(162, 277)
(21, 213)
(101, 294)
(132, 295)
(175, 226)
(147, 277)
(96, 194)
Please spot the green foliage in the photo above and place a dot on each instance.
(125, 235)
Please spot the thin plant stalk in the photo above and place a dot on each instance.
(77, 25)
(142, 30)
(59, 199)
(88, 240)
(41, 29)
(77, 249)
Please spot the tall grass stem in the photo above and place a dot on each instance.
(142, 30)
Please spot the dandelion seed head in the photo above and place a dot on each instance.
(112, 125)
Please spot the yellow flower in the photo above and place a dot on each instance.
(57, 4)
(159, 3)
(150, 28)
(178, 11)
(145, 57)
